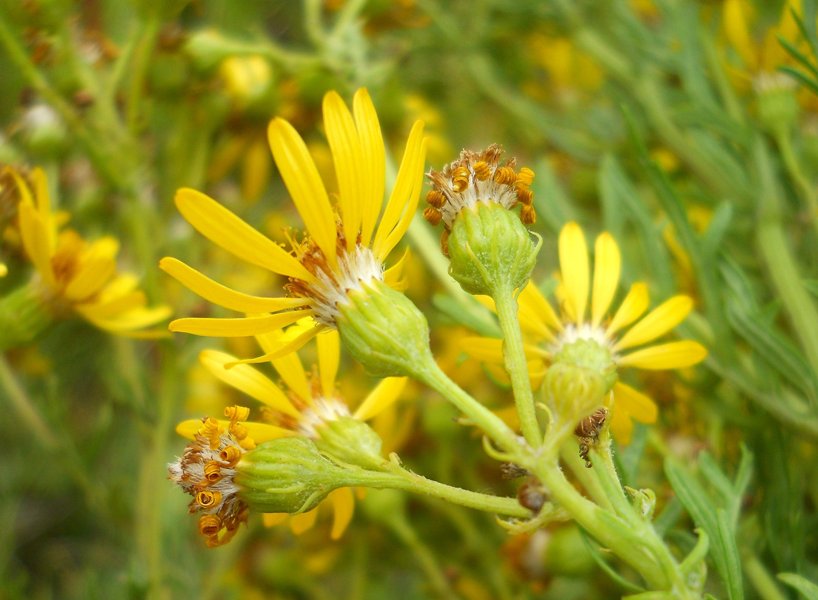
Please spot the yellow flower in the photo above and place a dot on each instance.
(346, 246)
(303, 407)
(75, 275)
(622, 332)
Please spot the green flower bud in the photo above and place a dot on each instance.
(350, 441)
(582, 373)
(567, 553)
(490, 249)
(384, 331)
(24, 314)
(777, 103)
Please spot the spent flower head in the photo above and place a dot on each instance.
(346, 245)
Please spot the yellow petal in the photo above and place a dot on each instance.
(273, 519)
(488, 350)
(404, 197)
(124, 323)
(635, 403)
(304, 521)
(350, 168)
(381, 397)
(632, 307)
(241, 327)
(329, 354)
(343, 505)
(607, 265)
(259, 432)
(657, 322)
(574, 269)
(674, 355)
(621, 425)
(248, 380)
(225, 229)
(95, 268)
(283, 352)
(304, 184)
(35, 236)
(287, 363)
(393, 276)
(221, 295)
(536, 314)
(374, 161)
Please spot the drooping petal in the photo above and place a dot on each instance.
(393, 276)
(302, 522)
(35, 236)
(607, 266)
(350, 168)
(381, 397)
(127, 322)
(289, 366)
(228, 231)
(248, 380)
(282, 352)
(404, 197)
(214, 292)
(574, 269)
(632, 307)
(374, 157)
(636, 404)
(657, 322)
(343, 506)
(621, 425)
(304, 184)
(674, 355)
(329, 355)
(240, 327)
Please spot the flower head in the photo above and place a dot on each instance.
(308, 404)
(346, 245)
(626, 334)
(73, 275)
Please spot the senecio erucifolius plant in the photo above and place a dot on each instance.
(309, 441)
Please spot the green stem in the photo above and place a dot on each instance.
(793, 166)
(23, 406)
(761, 580)
(492, 425)
(406, 480)
(425, 557)
(517, 366)
(139, 67)
(569, 453)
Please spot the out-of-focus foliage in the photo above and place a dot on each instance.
(687, 129)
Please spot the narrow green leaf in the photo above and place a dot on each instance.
(805, 587)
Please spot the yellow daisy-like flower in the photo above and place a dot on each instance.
(347, 243)
(626, 333)
(75, 275)
(303, 407)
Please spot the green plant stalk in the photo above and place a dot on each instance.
(425, 557)
(492, 425)
(761, 580)
(569, 453)
(23, 406)
(784, 142)
(516, 364)
(780, 262)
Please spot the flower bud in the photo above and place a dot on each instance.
(490, 249)
(350, 441)
(582, 373)
(384, 331)
(777, 103)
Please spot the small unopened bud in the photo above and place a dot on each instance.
(384, 331)
(777, 103)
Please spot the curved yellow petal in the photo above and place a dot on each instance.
(36, 241)
(621, 425)
(228, 231)
(393, 276)
(221, 295)
(350, 168)
(674, 355)
(374, 161)
(381, 397)
(632, 307)
(573, 252)
(304, 184)
(638, 405)
(273, 519)
(535, 307)
(286, 362)
(488, 350)
(304, 521)
(343, 507)
(248, 380)
(404, 197)
(329, 355)
(128, 322)
(657, 322)
(94, 269)
(607, 266)
(241, 327)
(284, 353)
